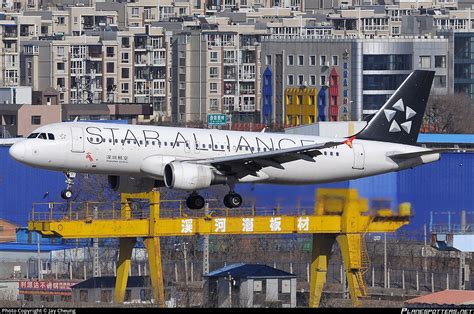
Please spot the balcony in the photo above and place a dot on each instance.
(10, 36)
(247, 91)
(248, 76)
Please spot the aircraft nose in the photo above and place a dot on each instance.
(17, 151)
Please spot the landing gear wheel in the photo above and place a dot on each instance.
(232, 200)
(66, 194)
(195, 201)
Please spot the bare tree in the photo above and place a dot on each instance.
(451, 113)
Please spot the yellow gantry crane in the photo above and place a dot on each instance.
(339, 215)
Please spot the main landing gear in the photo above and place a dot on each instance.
(67, 193)
(195, 201)
(231, 200)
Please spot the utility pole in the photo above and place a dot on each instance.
(95, 251)
(205, 253)
(39, 257)
(385, 260)
(230, 289)
(462, 255)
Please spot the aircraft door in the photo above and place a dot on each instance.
(77, 135)
(359, 156)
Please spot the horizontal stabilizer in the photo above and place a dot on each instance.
(421, 153)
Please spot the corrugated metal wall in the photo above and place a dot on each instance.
(21, 185)
(441, 186)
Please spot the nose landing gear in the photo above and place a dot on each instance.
(67, 193)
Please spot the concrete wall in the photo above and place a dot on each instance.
(48, 114)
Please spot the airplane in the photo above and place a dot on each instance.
(138, 158)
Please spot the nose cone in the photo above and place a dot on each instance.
(17, 151)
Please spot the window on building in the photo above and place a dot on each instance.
(300, 60)
(145, 294)
(290, 80)
(61, 82)
(35, 120)
(110, 67)
(335, 60)
(440, 61)
(312, 80)
(125, 57)
(312, 60)
(213, 104)
(125, 73)
(135, 12)
(322, 80)
(83, 295)
(125, 88)
(311, 100)
(110, 52)
(300, 80)
(440, 81)
(268, 59)
(60, 66)
(125, 42)
(290, 60)
(110, 82)
(106, 296)
(322, 60)
(425, 62)
(289, 99)
(213, 88)
(128, 295)
(213, 56)
(213, 73)
(61, 20)
(60, 51)
(299, 100)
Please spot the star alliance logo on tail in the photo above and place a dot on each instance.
(390, 115)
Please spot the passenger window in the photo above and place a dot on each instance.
(330, 153)
(33, 135)
(141, 142)
(210, 146)
(110, 140)
(203, 145)
(222, 146)
(51, 136)
(153, 143)
(337, 154)
(166, 143)
(116, 141)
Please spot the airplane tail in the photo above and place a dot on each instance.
(400, 118)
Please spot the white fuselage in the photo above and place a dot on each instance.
(118, 149)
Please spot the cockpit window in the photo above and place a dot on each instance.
(51, 136)
(33, 135)
(42, 136)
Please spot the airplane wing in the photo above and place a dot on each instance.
(421, 153)
(249, 164)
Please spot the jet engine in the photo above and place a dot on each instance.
(188, 176)
(128, 184)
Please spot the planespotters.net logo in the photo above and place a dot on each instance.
(437, 311)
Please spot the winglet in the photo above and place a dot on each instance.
(263, 130)
(349, 141)
(76, 118)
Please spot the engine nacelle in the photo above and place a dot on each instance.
(187, 176)
(127, 184)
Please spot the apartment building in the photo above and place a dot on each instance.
(102, 66)
(311, 63)
(215, 70)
